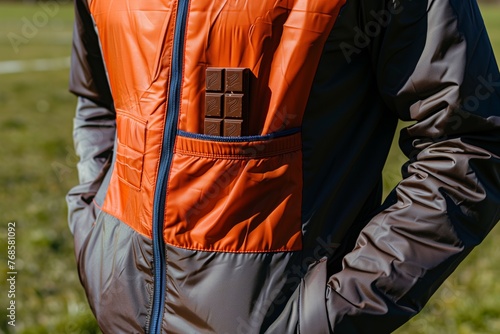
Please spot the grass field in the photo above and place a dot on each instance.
(38, 167)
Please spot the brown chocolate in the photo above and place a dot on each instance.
(214, 81)
(234, 105)
(236, 80)
(213, 126)
(233, 128)
(213, 104)
(226, 101)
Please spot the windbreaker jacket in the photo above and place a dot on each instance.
(282, 230)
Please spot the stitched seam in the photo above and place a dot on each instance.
(280, 250)
(237, 156)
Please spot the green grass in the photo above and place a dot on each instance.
(28, 32)
(38, 167)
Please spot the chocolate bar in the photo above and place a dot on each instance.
(226, 101)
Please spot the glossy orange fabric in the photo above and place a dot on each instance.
(280, 41)
(136, 38)
(235, 197)
(257, 208)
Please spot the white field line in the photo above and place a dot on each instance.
(36, 65)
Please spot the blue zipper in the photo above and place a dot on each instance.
(165, 163)
(243, 139)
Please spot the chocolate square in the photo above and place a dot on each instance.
(214, 79)
(236, 80)
(233, 128)
(213, 104)
(234, 105)
(213, 126)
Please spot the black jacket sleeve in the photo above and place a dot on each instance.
(94, 123)
(435, 66)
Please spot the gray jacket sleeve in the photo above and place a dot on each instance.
(435, 66)
(94, 123)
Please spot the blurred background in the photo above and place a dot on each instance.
(38, 167)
